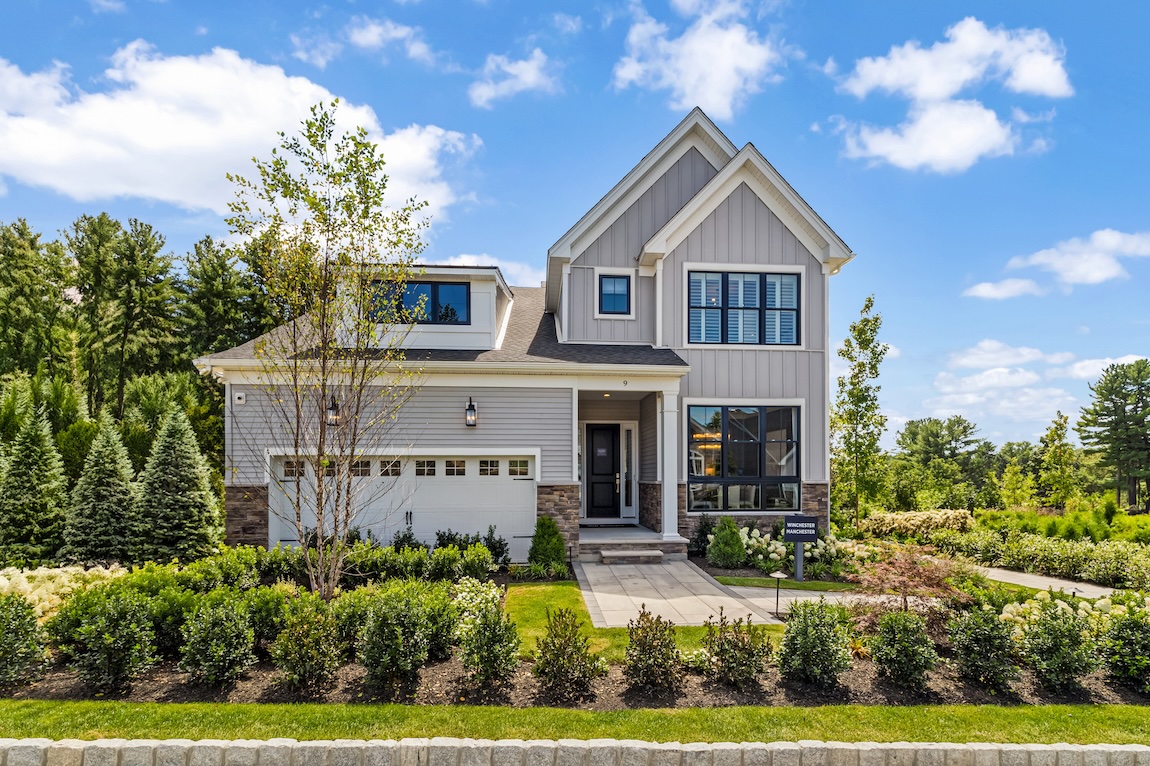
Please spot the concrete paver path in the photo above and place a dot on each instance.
(1042, 582)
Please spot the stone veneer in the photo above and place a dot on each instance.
(815, 502)
(561, 502)
(246, 515)
(651, 505)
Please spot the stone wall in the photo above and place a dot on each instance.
(246, 515)
(651, 505)
(561, 502)
(817, 502)
(446, 751)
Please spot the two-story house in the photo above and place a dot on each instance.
(675, 363)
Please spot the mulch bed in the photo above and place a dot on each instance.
(445, 683)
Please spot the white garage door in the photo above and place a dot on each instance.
(428, 493)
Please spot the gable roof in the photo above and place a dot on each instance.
(695, 131)
(751, 168)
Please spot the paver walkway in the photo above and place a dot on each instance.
(1042, 582)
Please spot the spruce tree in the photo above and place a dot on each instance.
(176, 506)
(32, 496)
(101, 522)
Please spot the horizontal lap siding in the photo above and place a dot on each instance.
(527, 418)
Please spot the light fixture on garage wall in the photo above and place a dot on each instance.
(470, 415)
(333, 412)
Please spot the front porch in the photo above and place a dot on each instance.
(628, 545)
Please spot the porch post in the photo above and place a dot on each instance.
(670, 405)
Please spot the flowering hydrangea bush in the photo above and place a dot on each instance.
(916, 523)
(46, 588)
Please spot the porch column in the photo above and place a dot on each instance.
(670, 405)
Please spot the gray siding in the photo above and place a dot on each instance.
(619, 246)
(433, 419)
(608, 410)
(649, 438)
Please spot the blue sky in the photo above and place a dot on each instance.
(988, 162)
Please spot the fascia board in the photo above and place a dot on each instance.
(495, 368)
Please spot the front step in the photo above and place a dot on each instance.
(632, 556)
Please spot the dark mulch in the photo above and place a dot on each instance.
(445, 683)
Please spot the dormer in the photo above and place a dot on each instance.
(459, 307)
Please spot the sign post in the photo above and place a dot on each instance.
(800, 530)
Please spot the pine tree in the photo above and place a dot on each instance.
(32, 496)
(1117, 426)
(34, 316)
(91, 243)
(101, 522)
(220, 300)
(175, 500)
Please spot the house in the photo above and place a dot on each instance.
(675, 363)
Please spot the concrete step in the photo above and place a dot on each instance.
(633, 556)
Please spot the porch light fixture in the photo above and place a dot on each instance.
(333, 412)
(470, 415)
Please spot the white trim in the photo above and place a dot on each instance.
(503, 326)
(541, 375)
(576, 461)
(829, 385)
(633, 516)
(712, 401)
(746, 268)
(632, 290)
(659, 303)
(669, 414)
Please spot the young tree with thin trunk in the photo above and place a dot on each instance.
(1058, 463)
(332, 258)
(857, 422)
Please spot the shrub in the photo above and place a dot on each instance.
(736, 651)
(169, 610)
(307, 649)
(652, 659)
(228, 567)
(983, 648)
(726, 549)
(350, 611)
(917, 524)
(564, 663)
(1056, 644)
(267, 608)
(473, 599)
(902, 651)
(548, 547)
(115, 643)
(405, 538)
(442, 615)
(393, 644)
(22, 642)
(409, 563)
(1125, 648)
(444, 563)
(702, 536)
(490, 649)
(477, 561)
(497, 546)
(47, 589)
(814, 647)
(219, 643)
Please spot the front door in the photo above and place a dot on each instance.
(603, 472)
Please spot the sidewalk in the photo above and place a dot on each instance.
(1042, 582)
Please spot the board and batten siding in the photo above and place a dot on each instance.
(743, 230)
(619, 246)
(649, 438)
(509, 418)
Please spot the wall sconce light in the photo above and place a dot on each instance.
(333, 412)
(470, 415)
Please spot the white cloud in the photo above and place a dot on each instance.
(317, 50)
(994, 378)
(567, 24)
(946, 137)
(943, 133)
(504, 78)
(516, 273)
(1089, 369)
(716, 64)
(168, 128)
(376, 34)
(989, 353)
(1088, 261)
(1007, 288)
(1017, 404)
(107, 6)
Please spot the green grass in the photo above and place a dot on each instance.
(1117, 724)
(527, 603)
(769, 582)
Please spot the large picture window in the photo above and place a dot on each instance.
(428, 302)
(742, 458)
(757, 309)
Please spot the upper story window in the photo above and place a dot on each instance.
(615, 294)
(431, 302)
(760, 309)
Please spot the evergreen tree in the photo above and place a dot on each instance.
(175, 499)
(100, 524)
(1117, 426)
(91, 243)
(32, 281)
(219, 302)
(1058, 464)
(32, 496)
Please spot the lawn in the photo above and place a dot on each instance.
(1023, 724)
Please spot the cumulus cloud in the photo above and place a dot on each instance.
(1090, 369)
(107, 6)
(168, 128)
(944, 133)
(1088, 261)
(1018, 404)
(716, 63)
(515, 272)
(1007, 288)
(989, 353)
(377, 34)
(995, 377)
(504, 77)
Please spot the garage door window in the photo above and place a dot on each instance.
(424, 467)
(516, 467)
(361, 468)
(389, 467)
(455, 468)
(488, 467)
(293, 469)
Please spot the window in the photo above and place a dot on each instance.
(742, 458)
(293, 469)
(488, 467)
(361, 468)
(390, 467)
(329, 466)
(516, 467)
(614, 294)
(753, 309)
(425, 303)
(424, 467)
(455, 468)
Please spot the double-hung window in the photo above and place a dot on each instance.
(735, 308)
(615, 294)
(424, 303)
(743, 458)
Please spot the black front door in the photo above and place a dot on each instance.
(603, 472)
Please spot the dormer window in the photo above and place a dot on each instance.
(614, 293)
(433, 302)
